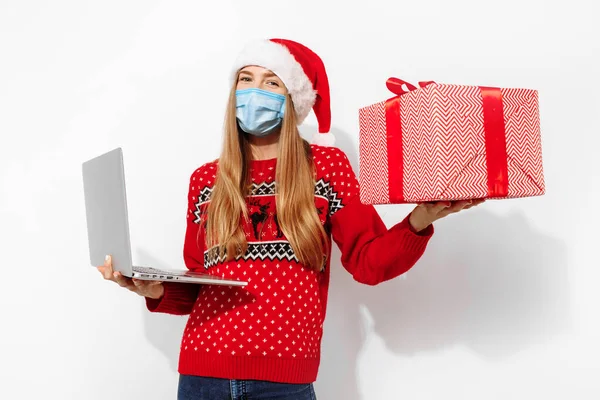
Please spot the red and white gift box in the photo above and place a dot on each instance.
(444, 142)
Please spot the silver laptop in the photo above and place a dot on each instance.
(108, 224)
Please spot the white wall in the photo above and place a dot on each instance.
(503, 305)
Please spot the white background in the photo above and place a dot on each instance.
(504, 305)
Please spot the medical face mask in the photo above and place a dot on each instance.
(259, 112)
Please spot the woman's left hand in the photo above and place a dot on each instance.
(426, 213)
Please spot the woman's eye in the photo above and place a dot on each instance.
(273, 83)
(244, 79)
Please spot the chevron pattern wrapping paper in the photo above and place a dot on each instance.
(442, 147)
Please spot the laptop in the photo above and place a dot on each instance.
(108, 224)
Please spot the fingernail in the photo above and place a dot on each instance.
(107, 257)
(115, 274)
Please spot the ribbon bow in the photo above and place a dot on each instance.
(396, 86)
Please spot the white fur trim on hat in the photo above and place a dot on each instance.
(323, 139)
(277, 58)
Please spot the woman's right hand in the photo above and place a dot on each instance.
(151, 289)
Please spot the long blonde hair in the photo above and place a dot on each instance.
(294, 192)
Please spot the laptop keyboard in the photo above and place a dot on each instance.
(172, 275)
(151, 271)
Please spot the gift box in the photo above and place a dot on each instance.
(440, 142)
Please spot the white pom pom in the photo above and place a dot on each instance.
(323, 139)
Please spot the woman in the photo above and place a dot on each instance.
(265, 339)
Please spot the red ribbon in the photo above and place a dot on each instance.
(495, 139)
(394, 137)
(394, 157)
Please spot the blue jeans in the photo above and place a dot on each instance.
(200, 388)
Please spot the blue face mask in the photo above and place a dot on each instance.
(259, 112)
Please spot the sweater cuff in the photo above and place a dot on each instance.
(176, 297)
(424, 232)
(414, 241)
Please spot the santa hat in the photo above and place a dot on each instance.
(302, 72)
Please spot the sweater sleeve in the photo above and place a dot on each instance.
(179, 298)
(371, 252)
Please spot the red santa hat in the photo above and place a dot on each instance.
(302, 72)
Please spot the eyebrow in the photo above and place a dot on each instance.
(269, 74)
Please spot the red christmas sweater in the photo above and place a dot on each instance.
(271, 329)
